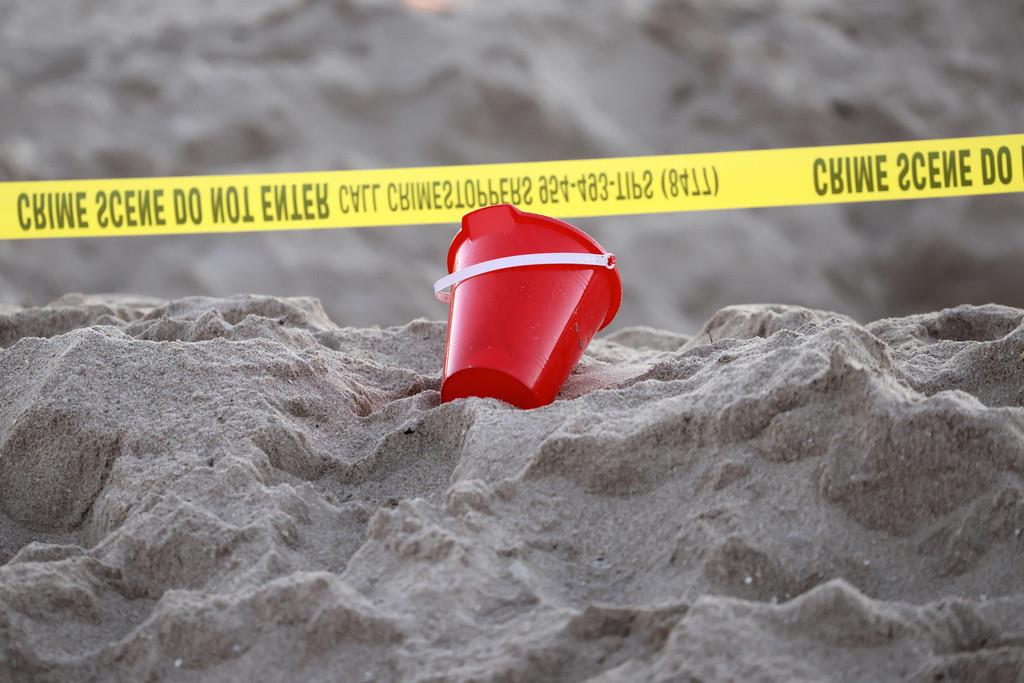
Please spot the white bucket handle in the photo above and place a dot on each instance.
(555, 259)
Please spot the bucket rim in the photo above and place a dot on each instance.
(583, 238)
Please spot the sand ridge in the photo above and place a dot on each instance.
(239, 488)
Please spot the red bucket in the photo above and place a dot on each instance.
(529, 294)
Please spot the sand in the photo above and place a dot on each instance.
(239, 489)
(254, 487)
(96, 88)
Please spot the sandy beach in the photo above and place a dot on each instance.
(238, 489)
(128, 88)
(202, 485)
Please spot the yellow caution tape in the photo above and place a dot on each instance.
(442, 194)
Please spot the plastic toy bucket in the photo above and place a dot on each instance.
(528, 294)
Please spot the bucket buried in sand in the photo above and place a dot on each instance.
(528, 293)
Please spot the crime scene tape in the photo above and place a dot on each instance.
(567, 189)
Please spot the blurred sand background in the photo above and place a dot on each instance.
(135, 88)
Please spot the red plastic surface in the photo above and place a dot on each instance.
(516, 334)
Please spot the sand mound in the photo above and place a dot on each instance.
(239, 489)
